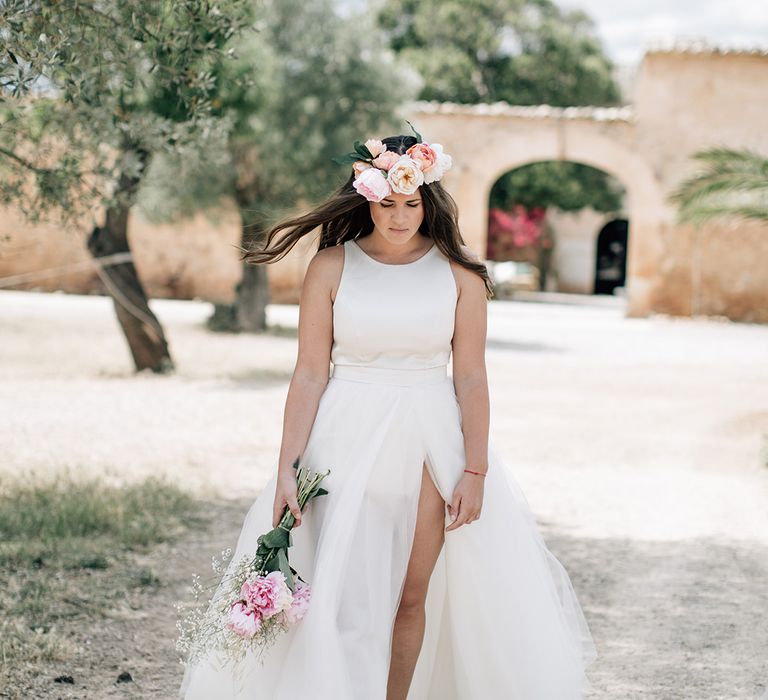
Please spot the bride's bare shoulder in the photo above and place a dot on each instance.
(469, 253)
(464, 278)
(324, 270)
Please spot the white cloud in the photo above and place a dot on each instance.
(626, 28)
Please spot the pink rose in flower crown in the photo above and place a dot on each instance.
(386, 160)
(300, 602)
(405, 176)
(268, 594)
(375, 147)
(359, 165)
(423, 155)
(243, 621)
(443, 164)
(372, 184)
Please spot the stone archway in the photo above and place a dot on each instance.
(488, 140)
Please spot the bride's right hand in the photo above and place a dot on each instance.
(286, 495)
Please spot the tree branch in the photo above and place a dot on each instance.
(22, 161)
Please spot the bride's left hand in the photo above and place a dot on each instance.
(467, 501)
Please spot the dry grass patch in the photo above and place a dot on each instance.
(68, 551)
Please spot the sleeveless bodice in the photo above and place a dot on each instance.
(397, 316)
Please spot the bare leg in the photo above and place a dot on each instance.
(408, 633)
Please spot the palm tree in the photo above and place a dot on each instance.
(732, 183)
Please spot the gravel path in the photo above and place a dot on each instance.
(641, 445)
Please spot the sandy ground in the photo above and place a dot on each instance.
(641, 445)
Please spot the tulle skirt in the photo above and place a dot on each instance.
(503, 620)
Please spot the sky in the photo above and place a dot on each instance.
(626, 27)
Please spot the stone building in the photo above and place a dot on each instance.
(684, 98)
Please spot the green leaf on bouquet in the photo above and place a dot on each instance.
(271, 564)
(275, 539)
(285, 567)
(317, 491)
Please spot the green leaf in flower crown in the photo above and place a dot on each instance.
(418, 135)
(346, 159)
(362, 149)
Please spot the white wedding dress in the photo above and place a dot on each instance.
(503, 621)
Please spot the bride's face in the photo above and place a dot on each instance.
(398, 217)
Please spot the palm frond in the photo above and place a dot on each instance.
(704, 214)
(733, 183)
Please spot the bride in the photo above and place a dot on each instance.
(429, 577)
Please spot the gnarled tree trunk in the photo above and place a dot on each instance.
(142, 330)
(253, 289)
(252, 299)
(249, 311)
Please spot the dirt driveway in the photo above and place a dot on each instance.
(641, 445)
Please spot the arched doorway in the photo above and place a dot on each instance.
(543, 219)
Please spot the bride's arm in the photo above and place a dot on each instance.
(471, 384)
(310, 374)
(469, 373)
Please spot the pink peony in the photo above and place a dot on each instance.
(405, 176)
(300, 602)
(375, 147)
(372, 184)
(386, 160)
(268, 595)
(423, 155)
(243, 621)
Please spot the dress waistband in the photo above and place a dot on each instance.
(387, 375)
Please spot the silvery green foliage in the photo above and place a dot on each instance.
(91, 90)
(524, 52)
(180, 182)
(337, 83)
(301, 89)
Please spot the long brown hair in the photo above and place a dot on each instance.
(346, 215)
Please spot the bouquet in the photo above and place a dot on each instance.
(260, 596)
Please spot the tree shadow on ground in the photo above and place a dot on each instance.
(519, 346)
(680, 619)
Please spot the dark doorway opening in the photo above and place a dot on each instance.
(611, 258)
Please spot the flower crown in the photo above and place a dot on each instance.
(379, 172)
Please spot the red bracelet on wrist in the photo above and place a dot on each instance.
(478, 473)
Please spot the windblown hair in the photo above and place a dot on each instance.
(345, 215)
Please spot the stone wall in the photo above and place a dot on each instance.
(684, 99)
(193, 258)
(196, 258)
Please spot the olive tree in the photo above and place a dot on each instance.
(90, 92)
